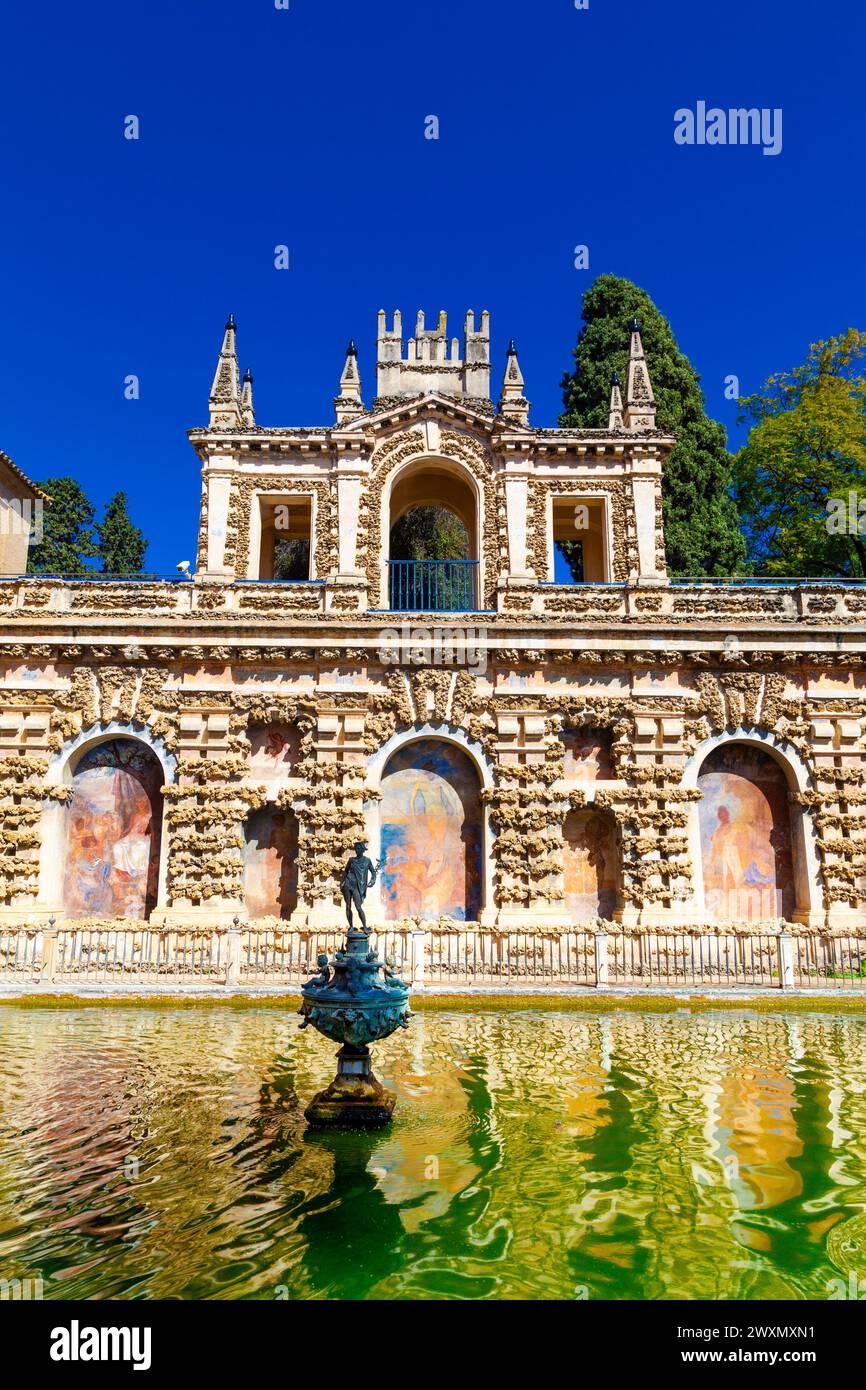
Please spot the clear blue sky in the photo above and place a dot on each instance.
(261, 126)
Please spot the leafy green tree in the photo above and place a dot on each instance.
(120, 545)
(429, 533)
(702, 535)
(800, 480)
(68, 537)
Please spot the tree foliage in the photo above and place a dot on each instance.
(800, 479)
(68, 533)
(701, 529)
(73, 540)
(120, 545)
(429, 533)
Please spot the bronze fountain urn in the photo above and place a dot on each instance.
(355, 999)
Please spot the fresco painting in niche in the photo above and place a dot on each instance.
(587, 756)
(271, 863)
(431, 833)
(274, 752)
(745, 825)
(590, 865)
(114, 829)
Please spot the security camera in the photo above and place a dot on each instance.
(183, 567)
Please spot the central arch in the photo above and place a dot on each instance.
(431, 832)
(435, 581)
(270, 856)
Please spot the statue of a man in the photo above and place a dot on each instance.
(358, 875)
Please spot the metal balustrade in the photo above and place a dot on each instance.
(147, 955)
(272, 956)
(830, 962)
(432, 586)
(708, 960)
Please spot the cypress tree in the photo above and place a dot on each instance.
(120, 545)
(702, 535)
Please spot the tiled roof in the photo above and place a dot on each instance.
(13, 467)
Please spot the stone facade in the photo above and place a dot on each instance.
(590, 715)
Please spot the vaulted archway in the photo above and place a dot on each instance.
(433, 529)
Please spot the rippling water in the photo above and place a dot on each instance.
(159, 1153)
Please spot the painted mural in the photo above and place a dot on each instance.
(590, 865)
(745, 827)
(431, 833)
(275, 750)
(271, 863)
(587, 756)
(114, 829)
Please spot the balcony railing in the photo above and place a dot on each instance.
(432, 586)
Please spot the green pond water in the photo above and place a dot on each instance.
(162, 1153)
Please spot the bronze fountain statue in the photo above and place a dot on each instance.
(355, 999)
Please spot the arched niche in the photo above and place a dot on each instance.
(431, 833)
(270, 856)
(113, 830)
(591, 864)
(753, 848)
(56, 810)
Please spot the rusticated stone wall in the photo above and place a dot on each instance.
(197, 703)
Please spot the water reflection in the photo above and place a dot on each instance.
(163, 1153)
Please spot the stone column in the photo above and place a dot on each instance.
(418, 940)
(646, 485)
(49, 953)
(234, 954)
(516, 507)
(218, 475)
(348, 510)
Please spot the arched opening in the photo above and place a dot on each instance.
(747, 846)
(591, 862)
(431, 833)
(114, 832)
(271, 863)
(433, 541)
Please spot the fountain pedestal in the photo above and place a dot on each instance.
(354, 1000)
(355, 1099)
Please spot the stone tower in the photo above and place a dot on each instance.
(431, 364)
